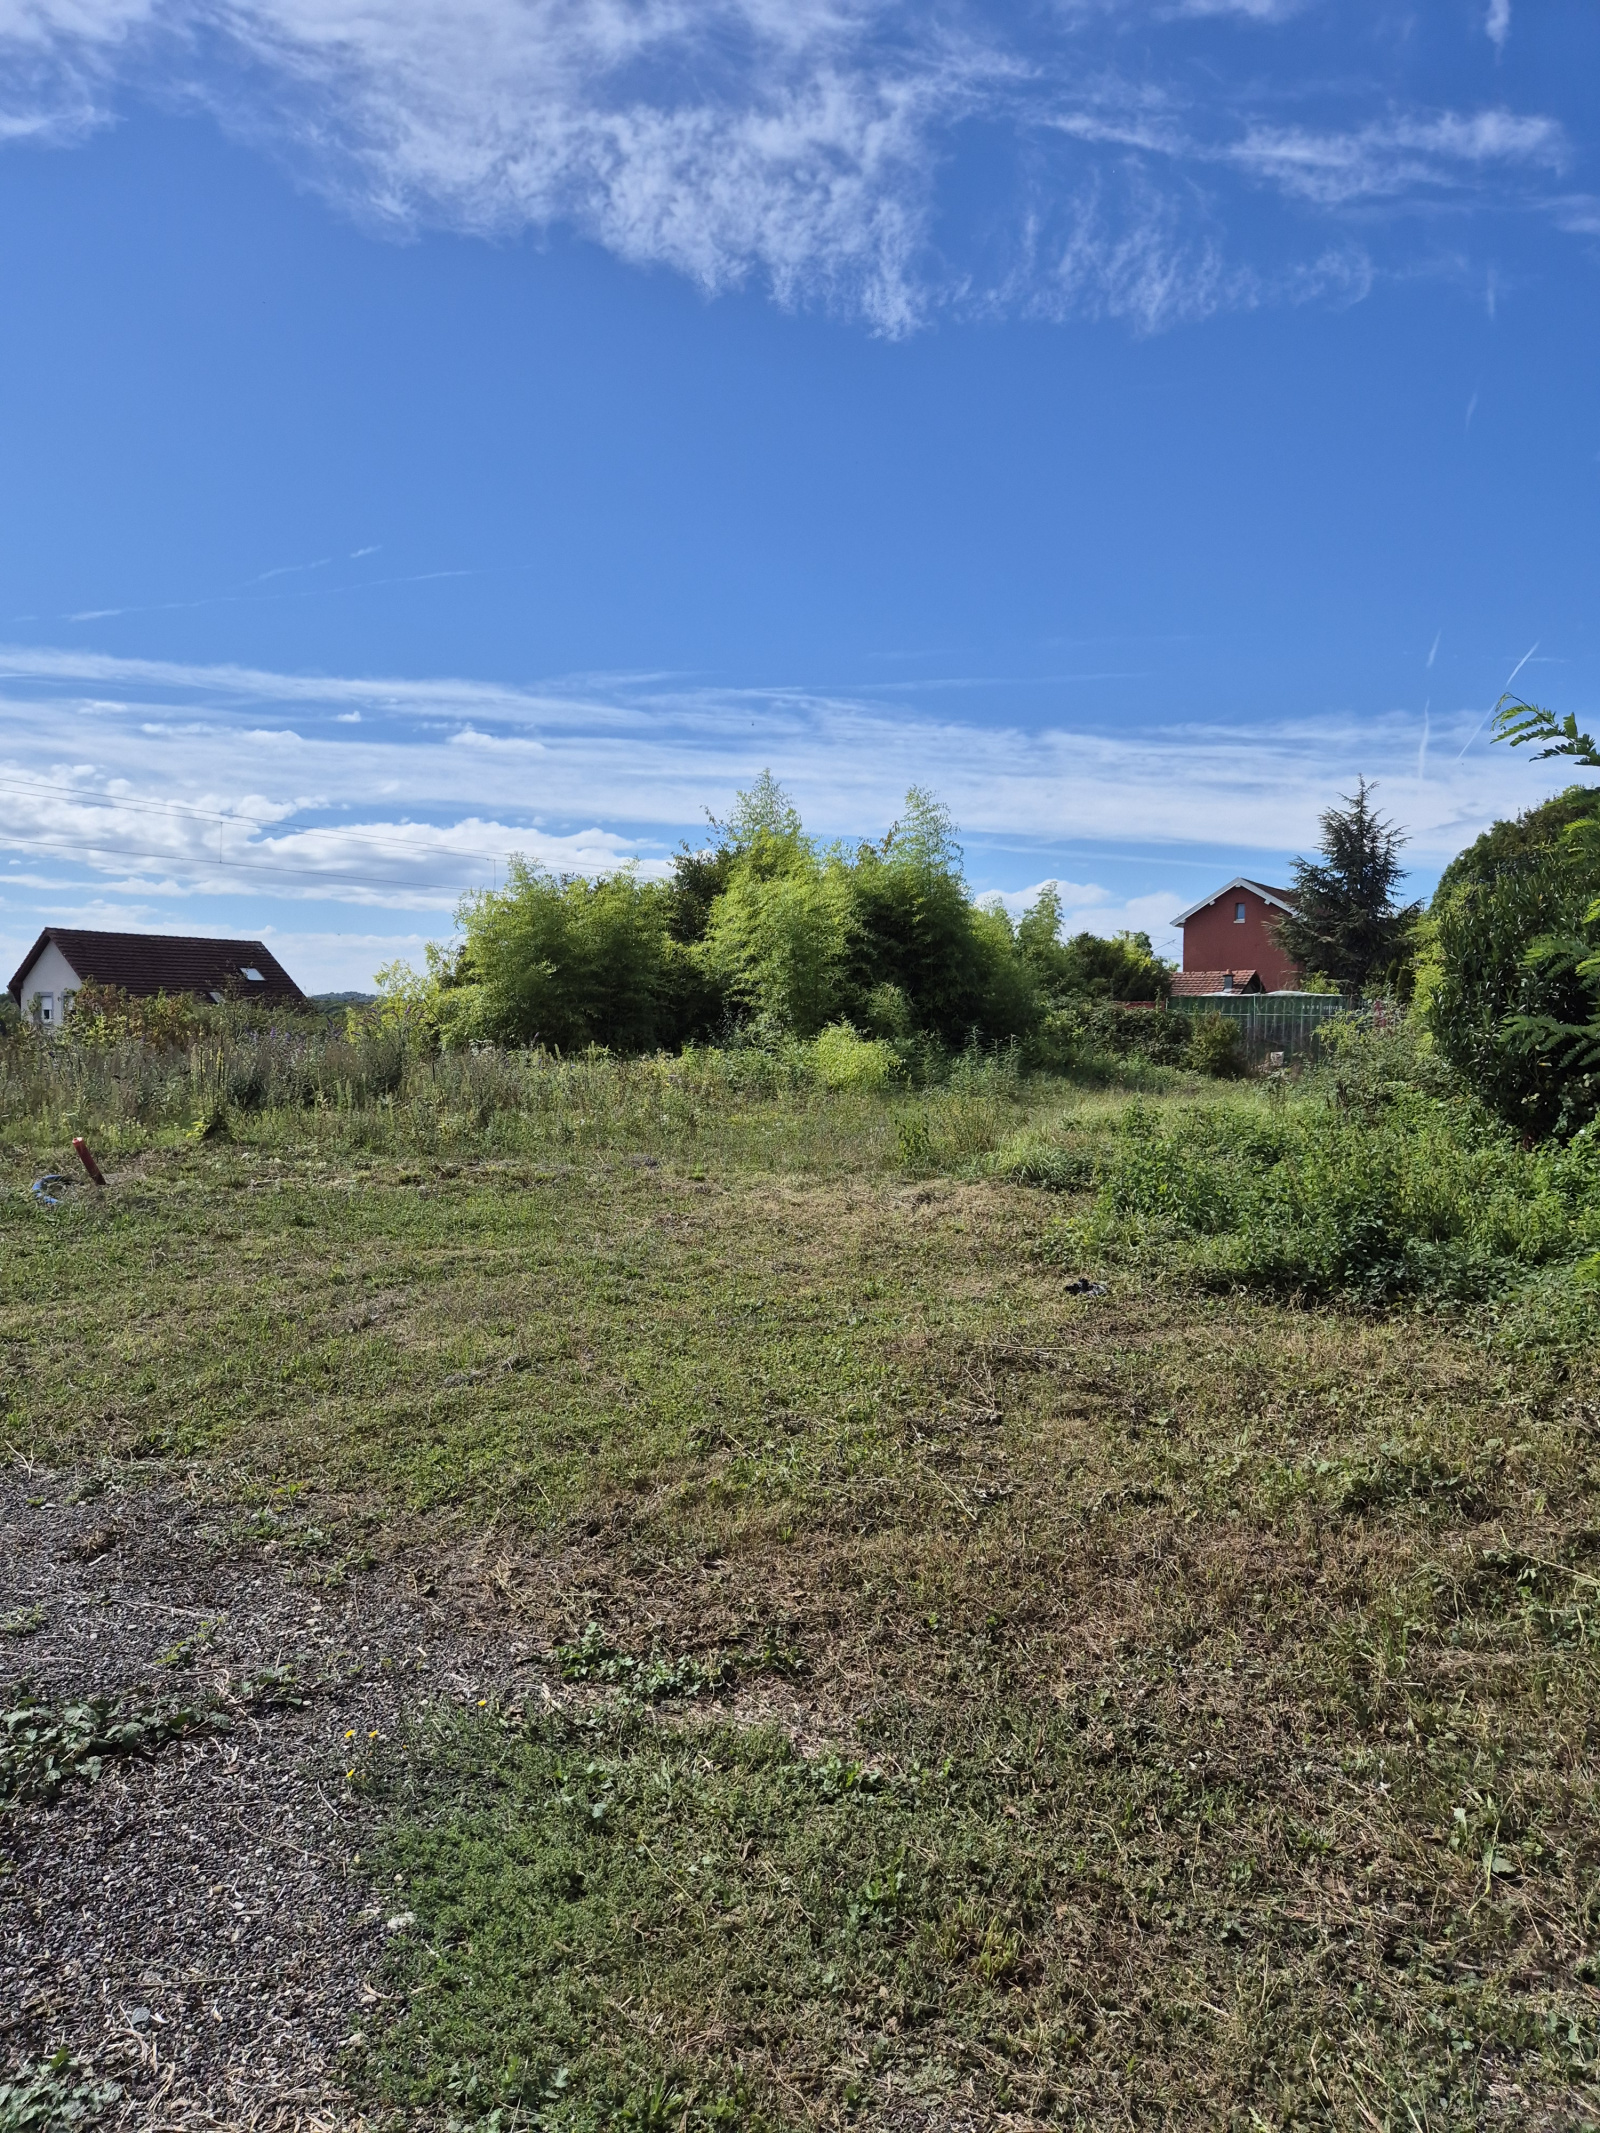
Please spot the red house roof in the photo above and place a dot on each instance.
(143, 964)
(1197, 984)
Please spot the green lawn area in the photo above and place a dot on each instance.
(1198, 1689)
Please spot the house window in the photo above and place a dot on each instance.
(1227, 981)
(249, 971)
(1238, 914)
(47, 1007)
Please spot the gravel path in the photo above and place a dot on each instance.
(190, 1925)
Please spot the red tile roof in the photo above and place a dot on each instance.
(143, 964)
(1192, 984)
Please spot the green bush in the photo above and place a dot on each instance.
(1035, 1158)
(916, 929)
(779, 938)
(1509, 1002)
(766, 935)
(1089, 967)
(1088, 1035)
(564, 962)
(1424, 1197)
(842, 1059)
(1215, 1047)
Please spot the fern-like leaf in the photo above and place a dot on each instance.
(1521, 723)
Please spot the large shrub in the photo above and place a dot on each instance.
(919, 939)
(767, 935)
(779, 937)
(561, 961)
(1508, 999)
(1086, 1035)
(885, 936)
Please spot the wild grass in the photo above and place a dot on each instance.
(1324, 1204)
(1004, 1703)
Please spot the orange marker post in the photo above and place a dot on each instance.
(86, 1158)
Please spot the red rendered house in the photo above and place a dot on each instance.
(1231, 937)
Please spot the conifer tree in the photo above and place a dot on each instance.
(1346, 924)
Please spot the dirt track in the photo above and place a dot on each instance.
(190, 1924)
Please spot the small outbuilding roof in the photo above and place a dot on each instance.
(1283, 898)
(1197, 984)
(143, 964)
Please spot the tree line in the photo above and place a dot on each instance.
(767, 934)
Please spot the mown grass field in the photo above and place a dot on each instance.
(1197, 1689)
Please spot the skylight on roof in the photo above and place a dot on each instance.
(250, 971)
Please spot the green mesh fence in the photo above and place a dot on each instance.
(1269, 1022)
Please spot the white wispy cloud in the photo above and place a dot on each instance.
(125, 760)
(797, 144)
(1421, 154)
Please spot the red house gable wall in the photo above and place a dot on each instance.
(1215, 940)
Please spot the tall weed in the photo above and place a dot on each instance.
(1418, 1199)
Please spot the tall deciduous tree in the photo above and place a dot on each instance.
(1346, 924)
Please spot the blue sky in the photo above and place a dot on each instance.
(434, 429)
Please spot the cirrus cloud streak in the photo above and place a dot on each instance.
(809, 147)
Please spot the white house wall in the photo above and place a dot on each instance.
(50, 972)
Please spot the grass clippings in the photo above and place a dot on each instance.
(963, 1682)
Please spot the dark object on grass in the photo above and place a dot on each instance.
(1081, 1285)
(85, 1156)
(51, 1177)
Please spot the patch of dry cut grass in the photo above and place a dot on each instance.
(1225, 1671)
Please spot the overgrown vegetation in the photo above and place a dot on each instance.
(374, 1084)
(1062, 1588)
(768, 934)
(1509, 998)
(1386, 1182)
(1510, 970)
